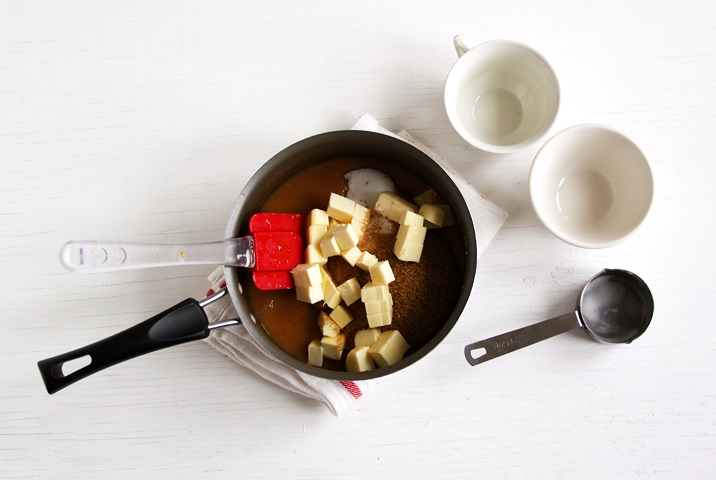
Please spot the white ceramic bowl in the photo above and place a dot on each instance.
(501, 96)
(591, 186)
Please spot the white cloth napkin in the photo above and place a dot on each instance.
(237, 344)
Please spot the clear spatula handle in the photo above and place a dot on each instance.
(99, 256)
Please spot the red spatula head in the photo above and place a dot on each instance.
(278, 247)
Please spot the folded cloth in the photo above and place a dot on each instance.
(238, 344)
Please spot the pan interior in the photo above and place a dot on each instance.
(327, 147)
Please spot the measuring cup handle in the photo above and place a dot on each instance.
(184, 322)
(522, 337)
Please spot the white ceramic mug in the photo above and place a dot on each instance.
(591, 186)
(501, 96)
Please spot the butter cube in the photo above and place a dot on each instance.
(346, 237)
(411, 234)
(309, 294)
(340, 208)
(384, 202)
(433, 215)
(389, 348)
(317, 217)
(381, 273)
(428, 196)
(409, 252)
(358, 227)
(359, 360)
(360, 213)
(400, 206)
(351, 255)
(379, 312)
(366, 260)
(449, 217)
(333, 346)
(328, 326)
(307, 274)
(371, 292)
(366, 337)
(315, 233)
(315, 353)
(379, 306)
(409, 243)
(392, 205)
(329, 245)
(315, 255)
(331, 295)
(376, 306)
(341, 315)
(380, 319)
(411, 218)
(350, 291)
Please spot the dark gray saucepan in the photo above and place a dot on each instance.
(187, 321)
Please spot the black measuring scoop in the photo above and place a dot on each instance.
(615, 306)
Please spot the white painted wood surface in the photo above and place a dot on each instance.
(142, 121)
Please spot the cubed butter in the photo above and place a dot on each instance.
(366, 260)
(428, 196)
(315, 233)
(384, 202)
(315, 353)
(329, 245)
(409, 243)
(359, 360)
(333, 346)
(350, 291)
(331, 295)
(309, 294)
(315, 255)
(409, 252)
(351, 255)
(434, 215)
(411, 234)
(346, 237)
(317, 217)
(399, 206)
(388, 349)
(341, 315)
(340, 208)
(411, 218)
(377, 306)
(449, 220)
(358, 227)
(307, 274)
(366, 337)
(360, 213)
(381, 273)
(328, 326)
(372, 292)
(380, 319)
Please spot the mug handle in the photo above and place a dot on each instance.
(460, 46)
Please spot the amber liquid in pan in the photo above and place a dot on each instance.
(424, 293)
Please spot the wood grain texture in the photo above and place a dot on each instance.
(143, 120)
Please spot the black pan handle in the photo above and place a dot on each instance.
(184, 322)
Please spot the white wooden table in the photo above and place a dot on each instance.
(143, 120)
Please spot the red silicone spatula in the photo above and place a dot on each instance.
(272, 248)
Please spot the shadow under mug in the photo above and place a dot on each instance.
(501, 96)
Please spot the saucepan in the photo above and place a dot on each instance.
(187, 321)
